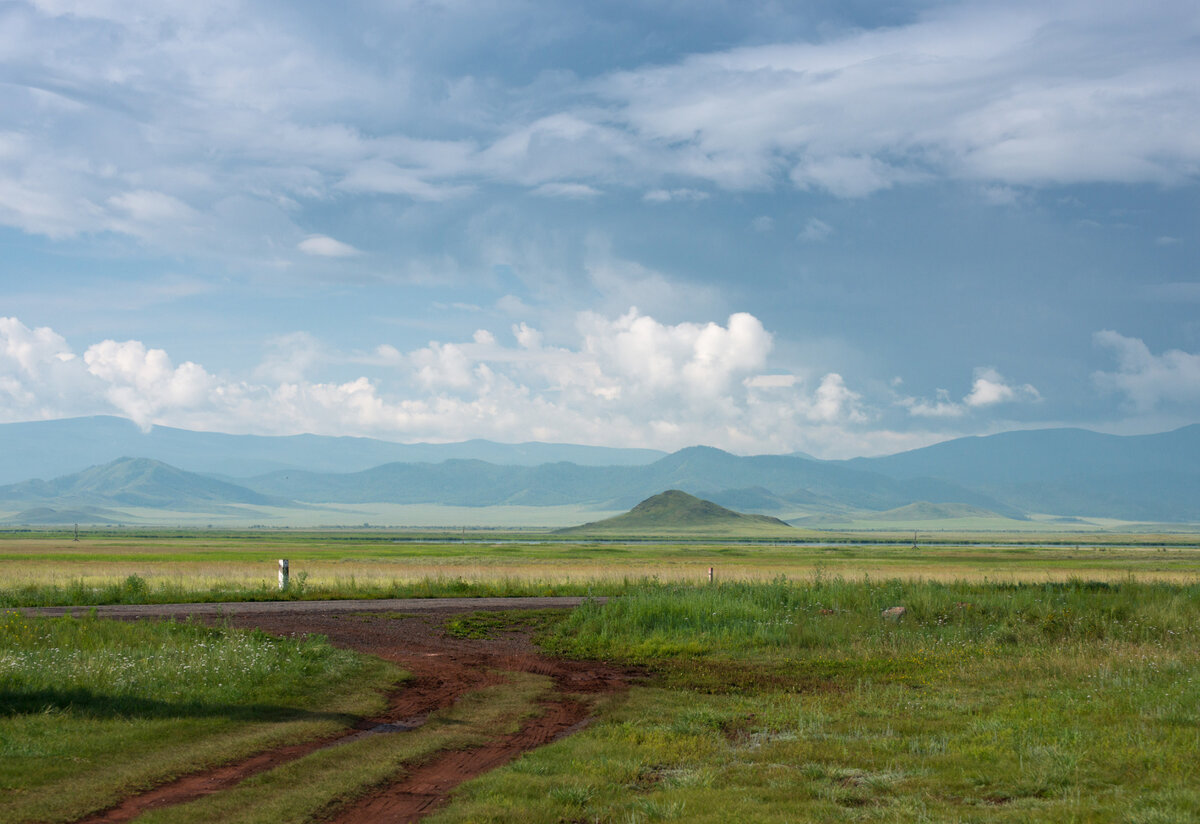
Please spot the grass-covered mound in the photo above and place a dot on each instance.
(676, 513)
(801, 702)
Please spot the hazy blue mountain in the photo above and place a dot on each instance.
(47, 449)
(1042, 454)
(135, 482)
(48, 516)
(1066, 471)
(695, 470)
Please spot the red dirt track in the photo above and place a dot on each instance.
(409, 633)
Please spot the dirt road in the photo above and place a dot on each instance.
(410, 633)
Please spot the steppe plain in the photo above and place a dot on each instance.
(1032, 677)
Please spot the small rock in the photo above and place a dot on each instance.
(893, 613)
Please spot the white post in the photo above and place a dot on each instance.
(283, 574)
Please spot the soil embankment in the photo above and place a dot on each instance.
(410, 634)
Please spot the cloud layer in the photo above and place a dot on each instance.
(179, 124)
(627, 380)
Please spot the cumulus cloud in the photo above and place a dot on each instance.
(835, 402)
(324, 246)
(141, 382)
(989, 388)
(1145, 379)
(630, 379)
(940, 407)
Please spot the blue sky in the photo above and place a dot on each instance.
(842, 228)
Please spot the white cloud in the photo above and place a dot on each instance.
(1016, 94)
(323, 246)
(527, 337)
(846, 176)
(1146, 379)
(815, 230)
(763, 223)
(141, 383)
(668, 195)
(571, 191)
(772, 381)
(989, 388)
(941, 407)
(151, 207)
(835, 402)
(212, 139)
(443, 366)
(382, 177)
(629, 380)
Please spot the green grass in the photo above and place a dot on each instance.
(135, 589)
(487, 625)
(93, 710)
(182, 566)
(783, 702)
(314, 787)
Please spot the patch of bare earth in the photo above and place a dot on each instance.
(443, 669)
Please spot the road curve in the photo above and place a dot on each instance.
(409, 605)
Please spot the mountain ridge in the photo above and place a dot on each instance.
(1060, 472)
(49, 449)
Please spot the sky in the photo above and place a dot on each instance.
(842, 228)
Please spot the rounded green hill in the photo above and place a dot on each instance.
(677, 513)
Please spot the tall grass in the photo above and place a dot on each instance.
(134, 589)
(784, 702)
(835, 615)
(92, 710)
(88, 662)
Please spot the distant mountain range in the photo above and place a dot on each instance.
(1066, 471)
(1062, 472)
(138, 483)
(48, 449)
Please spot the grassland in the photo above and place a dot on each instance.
(784, 702)
(313, 787)
(199, 565)
(92, 710)
(1048, 682)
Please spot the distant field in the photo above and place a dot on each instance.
(439, 516)
(210, 565)
(407, 516)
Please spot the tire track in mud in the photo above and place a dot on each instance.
(442, 669)
(428, 786)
